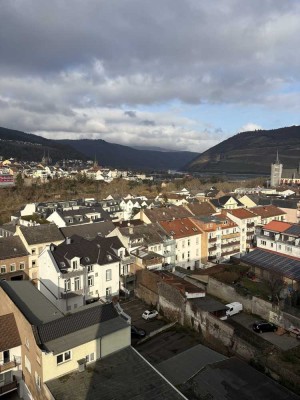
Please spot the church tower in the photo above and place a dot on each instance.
(276, 172)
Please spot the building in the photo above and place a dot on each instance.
(14, 259)
(54, 344)
(268, 213)
(79, 271)
(285, 176)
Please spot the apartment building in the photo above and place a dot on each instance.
(14, 259)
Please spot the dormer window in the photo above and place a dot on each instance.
(75, 264)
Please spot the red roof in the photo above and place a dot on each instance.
(268, 211)
(242, 213)
(179, 228)
(277, 226)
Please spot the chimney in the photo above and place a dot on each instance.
(68, 240)
(130, 229)
(81, 364)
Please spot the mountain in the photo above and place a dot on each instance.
(118, 156)
(154, 148)
(250, 152)
(28, 147)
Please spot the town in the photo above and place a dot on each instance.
(106, 295)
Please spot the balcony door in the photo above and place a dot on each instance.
(6, 356)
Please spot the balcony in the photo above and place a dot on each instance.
(212, 240)
(212, 248)
(10, 364)
(127, 278)
(127, 260)
(71, 273)
(250, 225)
(9, 387)
(73, 293)
(230, 244)
(230, 252)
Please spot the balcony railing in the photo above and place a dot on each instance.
(8, 387)
(6, 365)
(231, 244)
(227, 253)
(212, 248)
(71, 293)
(127, 278)
(212, 240)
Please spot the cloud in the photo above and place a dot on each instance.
(250, 127)
(90, 69)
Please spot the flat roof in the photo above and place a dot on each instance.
(123, 375)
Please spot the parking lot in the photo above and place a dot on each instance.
(283, 342)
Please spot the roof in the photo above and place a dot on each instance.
(208, 303)
(221, 201)
(165, 213)
(293, 230)
(242, 213)
(234, 379)
(12, 247)
(122, 375)
(274, 262)
(83, 326)
(178, 283)
(35, 307)
(199, 209)
(183, 366)
(9, 334)
(149, 234)
(89, 231)
(267, 211)
(100, 251)
(179, 228)
(46, 233)
(277, 226)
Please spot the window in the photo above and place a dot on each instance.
(90, 357)
(27, 364)
(182, 256)
(197, 252)
(33, 251)
(108, 275)
(90, 268)
(66, 356)
(12, 267)
(3, 269)
(22, 265)
(37, 379)
(33, 264)
(263, 242)
(77, 284)
(108, 291)
(38, 359)
(90, 280)
(183, 243)
(189, 242)
(67, 285)
(75, 264)
(188, 255)
(27, 343)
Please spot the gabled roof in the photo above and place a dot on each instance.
(277, 226)
(267, 211)
(100, 251)
(179, 228)
(199, 209)
(148, 234)
(89, 231)
(12, 247)
(166, 213)
(221, 201)
(46, 233)
(9, 334)
(242, 213)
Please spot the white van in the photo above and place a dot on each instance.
(233, 308)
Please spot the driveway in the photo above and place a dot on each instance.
(283, 342)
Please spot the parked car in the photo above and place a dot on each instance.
(264, 326)
(149, 314)
(137, 333)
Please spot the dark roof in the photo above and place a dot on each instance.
(75, 322)
(122, 375)
(132, 222)
(89, 231)
(46, 233)
(12, 247)
(151, 233)
(183, 366)
(221, 201)
(235, 380)
(167, 213)
(9, 334)
(274, 262)
(35, 307)
(293, 230)
(199, 209)
(97, 251)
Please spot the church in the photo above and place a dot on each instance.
(284, 176)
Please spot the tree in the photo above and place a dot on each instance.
(275, 284)
(19, 181)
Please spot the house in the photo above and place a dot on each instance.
(187, 238)
(246, 221)
(149, 216)
(282, 237)
(199, 209)
(10, 355)
(247, 201)
(226, 202)
(79, 271)
(220, 237)
(78, 216)
(54, 344)
(89, 231)
(268, 213)
(14, 259)
(35, 239)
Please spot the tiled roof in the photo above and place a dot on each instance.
(149, 234)
(89, 231)
(242, 213)
(12, 247)
(179, 228)
(267, 211)
(9, 334)
(199, 209)
(166, 213)
(75, 322)
(46, 233)
(277, 226)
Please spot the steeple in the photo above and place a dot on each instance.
(277, 159)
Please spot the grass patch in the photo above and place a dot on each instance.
(258, 289)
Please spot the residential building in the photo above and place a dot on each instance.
(268, 213)
(149, 216)
(10, 355)
(78, 216)
(187, 238)
(35, 239)
(54, 344)
(79, 271)
(89, 231)
(226, 202)
(14, 259)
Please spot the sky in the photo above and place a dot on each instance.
(177, 74)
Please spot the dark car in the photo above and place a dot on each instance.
(137, 333)
(264, 326)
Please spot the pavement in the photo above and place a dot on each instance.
(283, 342)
